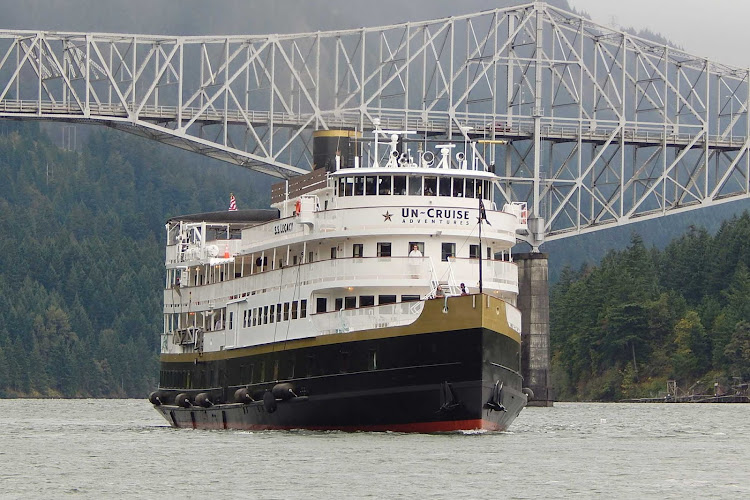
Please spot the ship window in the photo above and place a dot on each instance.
(357, 250)
(415, 185)
(244, 319)
(286, 311)
(399, 184)
(254, 315)
(333, 252)
(370, 183)
(372, 361)
(445, 186)
(310, 256)
(449, 250)
(350, 302)
(272, 313)
(359, 186)
(303, 308)
(487, 191)
(469, 188)
(430, 186)
(262, 374)
(348, 186)
(458, 188)
(231, 319)
(294, 309)
(366, 300)
(275, 370)
(294, 260)
(278, 313)
(384, 249)
(384, 184)
(265, 315)
(341, 186)
(420, 247)
(473, 251)
(409, 298)
(386, 299)
(338, 304)
(290, 369)
(489, 253)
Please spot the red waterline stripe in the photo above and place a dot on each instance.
(419, 427)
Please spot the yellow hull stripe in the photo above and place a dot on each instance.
(465, 312)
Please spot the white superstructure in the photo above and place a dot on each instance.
(341, 256)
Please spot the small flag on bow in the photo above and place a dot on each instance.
(232, 203)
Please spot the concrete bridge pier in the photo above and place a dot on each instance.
(533, 302)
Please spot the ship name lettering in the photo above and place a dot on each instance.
(283, 228)
(434, 216)
(447, 213)
(436, 213)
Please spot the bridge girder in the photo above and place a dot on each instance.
(602, 127)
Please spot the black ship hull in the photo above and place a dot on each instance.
(417, 378)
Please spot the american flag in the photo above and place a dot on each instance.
(232, 203)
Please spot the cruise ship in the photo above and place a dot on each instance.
(377, 294)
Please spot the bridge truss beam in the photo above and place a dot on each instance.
(600, 127)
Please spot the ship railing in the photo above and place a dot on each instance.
(453, 287)
(375, 271)
(191, 335)
(434, 281)
(365, 318)
(363, 269)
(212, 251)
(166, 340)
(501, 274)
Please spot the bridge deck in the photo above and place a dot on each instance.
(522, 128)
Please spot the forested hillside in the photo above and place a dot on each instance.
(643, 316)
(81, 256)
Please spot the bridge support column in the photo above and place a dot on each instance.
(533, 301)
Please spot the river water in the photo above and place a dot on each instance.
(123, 449)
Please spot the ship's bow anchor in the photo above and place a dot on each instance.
(496, 397)
(450, 401)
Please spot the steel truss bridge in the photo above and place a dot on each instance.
(591, 126)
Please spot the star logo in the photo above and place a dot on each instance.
(387, 216)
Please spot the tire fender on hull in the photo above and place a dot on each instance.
(243, 396)
(182, 399)
(283, 391)
(269, 402)
(203, 400)
(157, 398)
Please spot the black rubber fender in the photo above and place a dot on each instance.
(283, 391)
(269, 402)
(242, 395)
(203, 400)
(156, 398)
(182, 399)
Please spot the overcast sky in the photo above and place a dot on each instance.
(717, 29)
